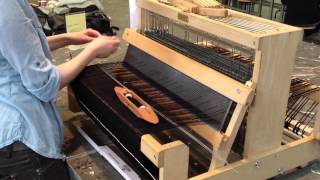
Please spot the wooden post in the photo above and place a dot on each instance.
(266, 115)
(221, 154)
(172, 159)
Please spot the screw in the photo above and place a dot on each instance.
(238, 91)
(280, 171)
(258, 164)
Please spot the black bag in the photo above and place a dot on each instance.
(307, 14)
(53, 23)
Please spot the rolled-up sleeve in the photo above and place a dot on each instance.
(23, 47)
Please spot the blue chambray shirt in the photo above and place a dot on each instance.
(29, 82)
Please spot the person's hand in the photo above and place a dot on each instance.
(103, 46)
(83, 37)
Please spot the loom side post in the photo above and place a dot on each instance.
(265, 117)
(172, 159)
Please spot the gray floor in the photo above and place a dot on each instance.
(86, 161)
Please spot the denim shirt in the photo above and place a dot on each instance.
(29, 82)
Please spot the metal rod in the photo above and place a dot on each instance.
(260, 8)
(271, 9)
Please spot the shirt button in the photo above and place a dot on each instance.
(38, 64)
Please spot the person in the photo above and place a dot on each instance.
(306, 14)
(31, 130)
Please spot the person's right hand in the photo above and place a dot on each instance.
(104, 46)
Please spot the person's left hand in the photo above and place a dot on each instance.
(83, 37)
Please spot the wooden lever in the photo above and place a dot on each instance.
(136, 105)
(214, 12)
(185, 5)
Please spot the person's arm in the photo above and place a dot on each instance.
(22, 47)
(62, 40)
(58, 41)
(100, 47)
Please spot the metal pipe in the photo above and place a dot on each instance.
(271, 9)
(260, 8)
(283, 7)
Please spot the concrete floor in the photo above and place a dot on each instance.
(88, 163)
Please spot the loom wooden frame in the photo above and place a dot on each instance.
(264, 98)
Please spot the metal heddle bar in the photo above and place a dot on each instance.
(229, 58)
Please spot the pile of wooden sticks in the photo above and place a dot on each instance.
(203, 7)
